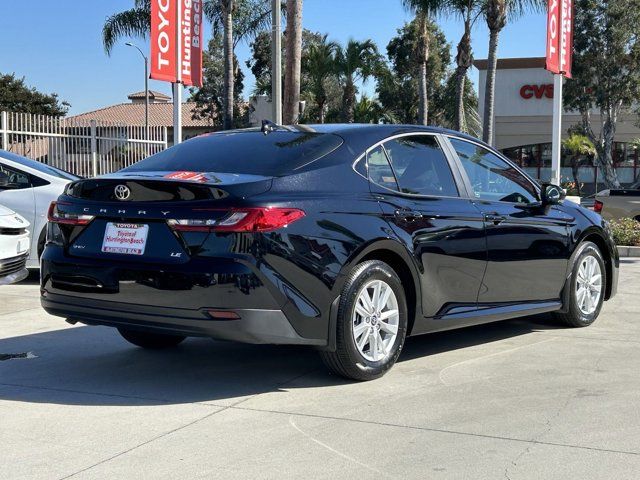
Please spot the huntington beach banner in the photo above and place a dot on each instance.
(176, 41)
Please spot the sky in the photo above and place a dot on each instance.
(56, 45)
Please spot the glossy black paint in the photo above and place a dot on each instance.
(462, 261)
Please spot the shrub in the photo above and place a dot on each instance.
(626, 231)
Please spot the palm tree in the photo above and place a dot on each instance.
(319, 65)
(135, 22)
(293, 59)
(357, 61)
(237, 20)
(368, 110)
(496, 13)
(581, 149)
(423, 10)
(469, 11)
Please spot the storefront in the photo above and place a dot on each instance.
(523, 119)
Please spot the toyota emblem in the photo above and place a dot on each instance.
(122, 192)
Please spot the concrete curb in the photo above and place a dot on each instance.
(628, 251)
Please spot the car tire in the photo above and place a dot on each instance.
(579, 313)
(149, 340)
(357, 329)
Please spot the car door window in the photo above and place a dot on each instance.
(380, 170)
(492, 178)
(17, 179)
(420, 166)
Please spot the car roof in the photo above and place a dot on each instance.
(36, 168)
(361, 136)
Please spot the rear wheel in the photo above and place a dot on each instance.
(371, 325)
(154, 341)
(588, 280)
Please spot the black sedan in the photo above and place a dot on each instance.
(347, 238)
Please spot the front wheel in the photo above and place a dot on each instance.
(587, 287)
(371, 325)
(153, 341)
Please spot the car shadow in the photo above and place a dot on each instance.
(94, 366)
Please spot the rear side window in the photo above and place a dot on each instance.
(420, 166)
(380, 170)
(243, 152)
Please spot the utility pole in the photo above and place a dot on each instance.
(276, 62)
(146, 89)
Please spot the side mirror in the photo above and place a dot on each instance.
(4, 180)
(552, 194)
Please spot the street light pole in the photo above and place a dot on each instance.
(146, 89)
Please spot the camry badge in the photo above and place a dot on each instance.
(122, 192)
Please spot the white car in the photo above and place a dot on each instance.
(14, 246)
(28, 188)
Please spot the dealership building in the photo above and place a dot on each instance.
(523, 119)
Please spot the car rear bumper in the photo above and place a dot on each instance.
(253, 325)
(179, 299)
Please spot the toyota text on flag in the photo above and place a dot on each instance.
(163, 40)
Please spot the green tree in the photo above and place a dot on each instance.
(446, 108)
(497, 13)
(260, 60)
(368, 110)
(397, 83)
(423, 10)
(209, 98)
(606, 71)
(318, 66)
(581, 150)
(356, 61)
(16, 96)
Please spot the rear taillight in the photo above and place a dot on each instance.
(262, 219)
(57, 214)
(597, 206)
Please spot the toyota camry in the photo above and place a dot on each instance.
(345, 238)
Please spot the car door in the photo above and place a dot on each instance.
(528, 245)
(419, 195)
(18, 194)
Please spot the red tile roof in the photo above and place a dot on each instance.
(152, 95)
(160, 115)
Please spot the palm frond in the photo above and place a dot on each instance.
(135, 22)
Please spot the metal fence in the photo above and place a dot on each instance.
(85, 148)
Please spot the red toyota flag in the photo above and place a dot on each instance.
(560, 36)
(163, 40)
(191, 48)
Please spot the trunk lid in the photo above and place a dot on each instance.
(130, 212)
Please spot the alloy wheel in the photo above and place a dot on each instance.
(375, 320)
(588, 285)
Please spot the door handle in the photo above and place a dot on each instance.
(408, 215)
(495, 218)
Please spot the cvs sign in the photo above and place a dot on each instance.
(536, 91)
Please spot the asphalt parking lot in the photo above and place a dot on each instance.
(523, 399)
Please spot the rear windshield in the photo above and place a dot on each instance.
(249, 152)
